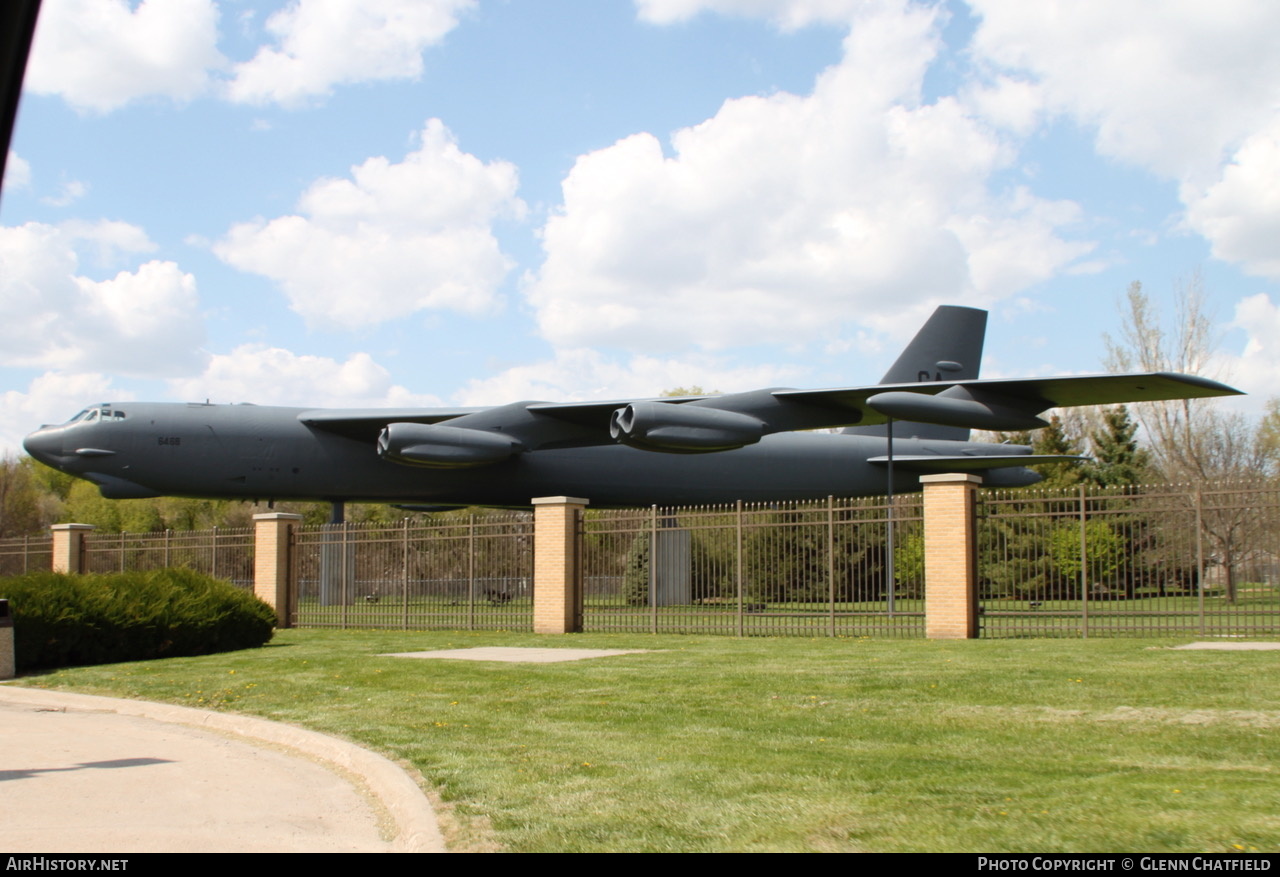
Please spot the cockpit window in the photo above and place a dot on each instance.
(92, 415)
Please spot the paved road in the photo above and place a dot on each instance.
(101, 775)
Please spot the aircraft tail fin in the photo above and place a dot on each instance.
(947, 347)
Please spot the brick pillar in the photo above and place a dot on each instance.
(556, 596)
(272, 570)
(68, 547)
(950, 556)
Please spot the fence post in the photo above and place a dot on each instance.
(556, 557)
(68, 547)
(272, 571)
(950, 556)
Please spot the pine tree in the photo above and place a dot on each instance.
(1055, 439)
(1118, 459)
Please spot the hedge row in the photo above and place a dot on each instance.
(62, 620)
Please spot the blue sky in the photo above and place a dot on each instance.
(462, 202)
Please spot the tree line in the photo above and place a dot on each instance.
(34, 496)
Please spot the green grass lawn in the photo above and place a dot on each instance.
(718, 743)
(1257, 612)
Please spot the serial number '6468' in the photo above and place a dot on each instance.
(169, 440)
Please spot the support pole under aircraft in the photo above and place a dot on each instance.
(336, 559)
(888, 562)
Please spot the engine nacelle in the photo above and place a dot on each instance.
(444, 447)
(683, 429)
(1015, 477)
(956, 406)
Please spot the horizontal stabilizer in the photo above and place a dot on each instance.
(964, 463)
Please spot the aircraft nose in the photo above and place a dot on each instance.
(45, 445)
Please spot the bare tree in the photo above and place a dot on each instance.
(1189, 439)
(1192, 440)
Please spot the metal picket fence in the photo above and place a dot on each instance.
(22, 554)
(223, 552)
(760, 569)
(1131, 561)
(464, 572)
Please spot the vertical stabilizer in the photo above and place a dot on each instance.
(947, 347)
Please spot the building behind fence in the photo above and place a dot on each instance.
(1142, 561)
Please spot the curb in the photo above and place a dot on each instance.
(416, 828)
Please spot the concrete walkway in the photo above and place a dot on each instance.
(101, 775)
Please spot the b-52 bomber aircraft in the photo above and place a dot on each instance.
(753, 446)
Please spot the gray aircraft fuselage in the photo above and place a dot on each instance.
(755, 446)
(259, 452)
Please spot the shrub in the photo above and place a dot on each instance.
(62, 619)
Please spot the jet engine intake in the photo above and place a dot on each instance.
(444, 447)
(683, 429)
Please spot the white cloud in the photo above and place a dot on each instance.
(110, 241)
(583, 374)
(1256, 369)
(391, 240)
(100, 54)
(273, 376)
(69, 191)
(141, 322)
(1185, 89)
(322, 43)
(1240, 214)
(51, 398)
(17, 172)
(1007, 102)
(784, 217)
(1171, 85)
